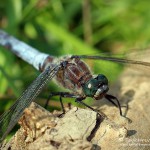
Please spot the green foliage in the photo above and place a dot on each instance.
(60, 27)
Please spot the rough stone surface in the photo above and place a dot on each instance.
(43, 130)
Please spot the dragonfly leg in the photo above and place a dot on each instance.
(80, 100)
(62, 105)
(47, 101)
(60, 94)
(99, 120)
(110, 98)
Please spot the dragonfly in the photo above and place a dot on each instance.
(72, 73)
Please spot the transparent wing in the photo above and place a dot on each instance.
(128, 60)
(9, 118)
(114, 59)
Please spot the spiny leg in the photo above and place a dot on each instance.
(47, 101)
(55, 94)
(99, 120)
(62, 105)
(80, 100)
(60, 94)
(110, 97)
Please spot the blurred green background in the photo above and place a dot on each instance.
(60, 27)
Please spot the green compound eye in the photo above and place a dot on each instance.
(91, 87)
(102, 79)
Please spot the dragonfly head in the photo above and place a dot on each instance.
(96, 87)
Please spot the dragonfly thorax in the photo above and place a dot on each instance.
(96, 87)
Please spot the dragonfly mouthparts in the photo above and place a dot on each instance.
(101, 92)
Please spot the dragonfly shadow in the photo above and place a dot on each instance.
(126, 99)
(96, 147)
(131, 132)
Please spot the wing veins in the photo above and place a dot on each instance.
(16, 111)
(114, 59)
